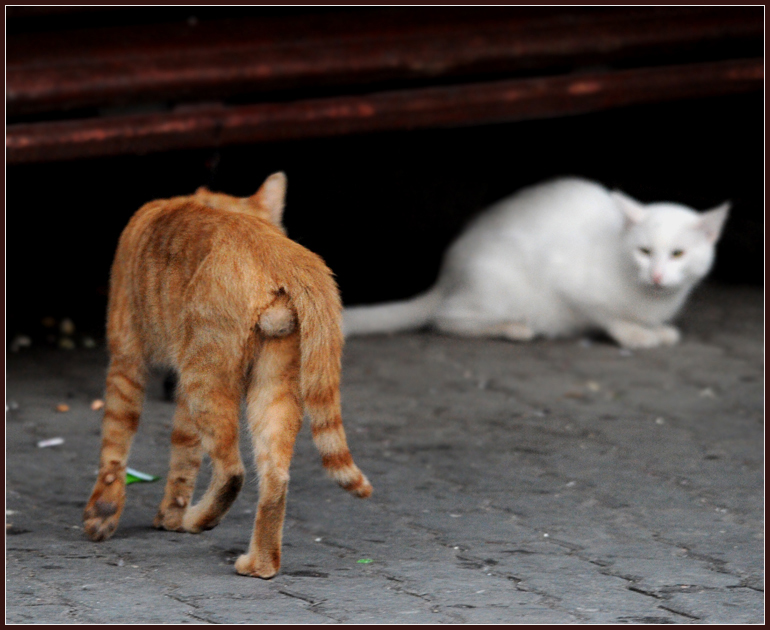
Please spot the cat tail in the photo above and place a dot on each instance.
(319, 317)
(392, 316)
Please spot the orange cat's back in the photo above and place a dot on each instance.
(181, 263)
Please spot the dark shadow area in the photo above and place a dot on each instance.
(381, 208)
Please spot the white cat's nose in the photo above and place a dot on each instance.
(657, 277)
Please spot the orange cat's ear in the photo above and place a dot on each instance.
(272, 196)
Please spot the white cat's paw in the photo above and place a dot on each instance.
(635, 336)
(517, 331)
(668, 335)
(472, 327)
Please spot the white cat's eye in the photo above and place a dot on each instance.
(645, 250)
(677, 253)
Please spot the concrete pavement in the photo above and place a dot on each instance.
(551, 482)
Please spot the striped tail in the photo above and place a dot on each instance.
(319, 316)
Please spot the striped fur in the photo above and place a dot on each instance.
(210, 286)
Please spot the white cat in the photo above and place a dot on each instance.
(560, 258)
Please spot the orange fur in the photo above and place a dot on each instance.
(209, 285)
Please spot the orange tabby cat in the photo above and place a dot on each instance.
(210, 286)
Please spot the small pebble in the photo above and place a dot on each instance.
(65, 343)
(62, 408)
(660, 421)
(88, 342)
(97, 404)
(19, 342)
(67, 326)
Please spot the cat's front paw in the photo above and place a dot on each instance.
(102, 512)
(171, 514)
(255, 565)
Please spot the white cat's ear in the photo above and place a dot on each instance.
(712, 221)
(632, 209)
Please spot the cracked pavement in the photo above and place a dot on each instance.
(551, 482)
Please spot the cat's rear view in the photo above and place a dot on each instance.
(560, 258)
(210, 286)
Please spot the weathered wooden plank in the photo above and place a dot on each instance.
(499, 101)
(222, 58)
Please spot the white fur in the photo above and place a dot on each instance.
(561, 258)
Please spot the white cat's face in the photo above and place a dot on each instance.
(671, 245)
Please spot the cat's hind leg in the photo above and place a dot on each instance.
(668, 335)
(186, 453)
(475, 327)
(636, 336)
(274, 413)
(123, 404)
(517, 331)
(212, 391)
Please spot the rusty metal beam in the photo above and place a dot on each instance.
(501, 101)
(219, 59)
